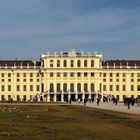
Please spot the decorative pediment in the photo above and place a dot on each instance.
(72, 53)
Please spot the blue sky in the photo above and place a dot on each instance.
(31, 27)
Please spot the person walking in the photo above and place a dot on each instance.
(128, 103)
(98, 101)
(138, 102)
(85, 101)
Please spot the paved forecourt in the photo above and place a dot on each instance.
(110, 106)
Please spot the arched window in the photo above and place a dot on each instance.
(51, 63)
(92, 63)
(65, 87)
(65, 63)
(72, 63)
(85, 63)
(51, 87)
(79, 87)
(72, 87)
(58, 63)
(58, 87)
(78, 63)
(86, 87)
(92, 87)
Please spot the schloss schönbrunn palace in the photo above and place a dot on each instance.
(72, 75)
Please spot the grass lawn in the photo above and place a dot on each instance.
(66, 123)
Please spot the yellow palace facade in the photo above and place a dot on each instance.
(71, 75)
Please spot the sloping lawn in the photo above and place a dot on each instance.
(66, 123)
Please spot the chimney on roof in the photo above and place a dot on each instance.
(114, 65)
(21, 65)
(107, 64)
(5, 66)
(14, 65)
(120, 65)
(127, 65)
(135, 66)
(28, 65)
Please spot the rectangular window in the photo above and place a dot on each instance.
(124, 74)
(2, 75)
(9, 87)
(138, 87)
(2, 80)
(24, 87)
(124, 88)
(92, 74)
(138, 75)
(37, 88)
(124, 80)
(117, 74)
(9, 80)
(117, 80)
(2, 88)
(9, 74)
(111, 88)
(24, 74)
(18, 75)
(85, 74)
(24, 80)
(132, 87)
(18, 80)
(18, 87)
(51, 74)
(117, 88)
(104, 74)
(104, 87)
(31, 74)
(37, 75)
(31, 87)
(72, 74)
(111, 74)
(58, 63)
(31, 80)
(79, 74)
(65, 74)
(111, 80)
(58, 74)
(132, 74)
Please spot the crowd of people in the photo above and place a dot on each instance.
(127, 101)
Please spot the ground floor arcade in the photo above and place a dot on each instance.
(59, 97)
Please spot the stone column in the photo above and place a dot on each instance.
(48, 97)
(76, 96)
(62, 97)
(83, 97)
(89, 97)
(69, 96)
(54, 97)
